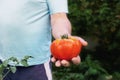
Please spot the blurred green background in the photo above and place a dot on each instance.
(98, 22)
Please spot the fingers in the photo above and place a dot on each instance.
(65, 63)
(58, 63)
(76, 60)
(62, 63)
(53, 59)
(84, 43)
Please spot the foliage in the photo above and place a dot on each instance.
(5, 68)
(98, 22)
(87, 70)
(116, 76)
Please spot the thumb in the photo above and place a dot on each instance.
(84, 43)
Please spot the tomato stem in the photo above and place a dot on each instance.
(65, 36)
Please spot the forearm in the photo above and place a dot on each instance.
(60, 25)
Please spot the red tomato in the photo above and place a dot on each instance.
(65, 48)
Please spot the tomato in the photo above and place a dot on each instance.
(65, 48)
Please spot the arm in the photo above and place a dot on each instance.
(60, 26)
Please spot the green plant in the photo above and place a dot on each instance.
(98, 20)
(89, 69)
(4, 65)
(116, 75)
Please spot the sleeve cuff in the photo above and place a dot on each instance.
(56, 6)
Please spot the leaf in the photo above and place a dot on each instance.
(27, 57)
(5, 63)
(13, 69)
(24, 62)
(1, 69)
(14, 59)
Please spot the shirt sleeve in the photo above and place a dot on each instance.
(56, 6)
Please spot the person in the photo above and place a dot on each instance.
(26, 28)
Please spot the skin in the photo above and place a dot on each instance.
(60, 26)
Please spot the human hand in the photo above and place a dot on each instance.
(74, 60)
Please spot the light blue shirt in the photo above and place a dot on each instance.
(25, 28)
